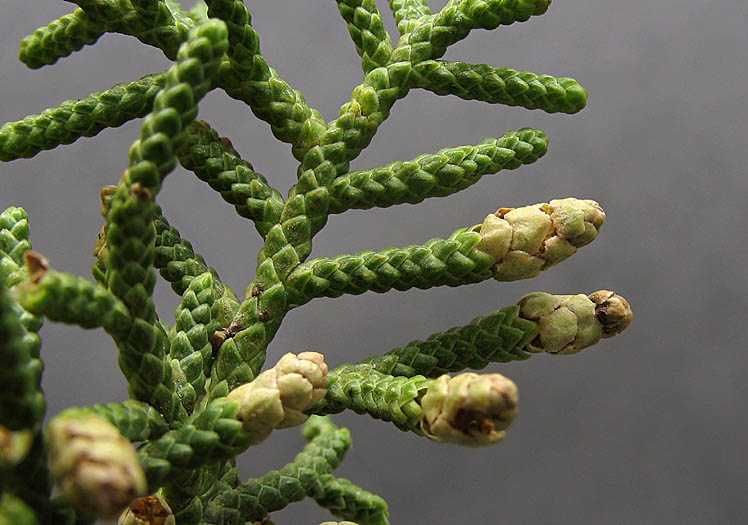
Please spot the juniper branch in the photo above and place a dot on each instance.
(153, 22)
(135, 420)
(275, 490)
(22, 403)
(446, 172)
(500, 86)
(67, 298)
(365, 390)
(74, 119)
(454, 261)
(214, 161)
(367, 30)
(131, 231)
(247, 77)
(350, 502)
(59, 38)
(499, 337)
(408, 12)
(540, 322)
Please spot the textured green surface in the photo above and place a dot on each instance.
(188, 433)
(13, 511)
(307, 475)
(446, 172)
(367, 31)
(365, 390)
(454, 261)
(67, 298)
(131, 233)
(58, 39)
(214, 161)
(500, 86)
(74, 119)
(497, 338)
(135, 420)
(22, 403)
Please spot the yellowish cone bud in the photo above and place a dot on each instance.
(278, 397)
(570, 323)
(149, 510)
(95, 467)
(524, 241)
(469, 409)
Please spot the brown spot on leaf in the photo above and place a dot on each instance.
(472, 422)
(37, 266)
(151, 510)
(140, 191)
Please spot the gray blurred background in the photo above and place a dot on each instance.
(649, 427)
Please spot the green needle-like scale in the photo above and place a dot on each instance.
(500, 86)
(367, 31)
(255, 498)
(497, 338)
(59, 39)
(150, 21)
(214, 160)
(365, 390)
(438, 175)
(407, 13)
(439, 262)
(350, 502)
(14, 234)
(135, 420)
(78, 118)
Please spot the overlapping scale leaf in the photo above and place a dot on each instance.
(211, 435)
(348, 501)
(365, 390)
(135, 420)
(153, 22)
(74, 119)
(439, 262)
(407, 13)
(367, 31)
(255, 498)
(250, 79)
(500, 86)
(438, 175)
(59, 39)
(496, 338)
(214, 161)
(197, 319)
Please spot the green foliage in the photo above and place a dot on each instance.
(184, 416)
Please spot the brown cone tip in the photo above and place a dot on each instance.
(612, 311)
(106, 193)
(151, 510)
(37, 265)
